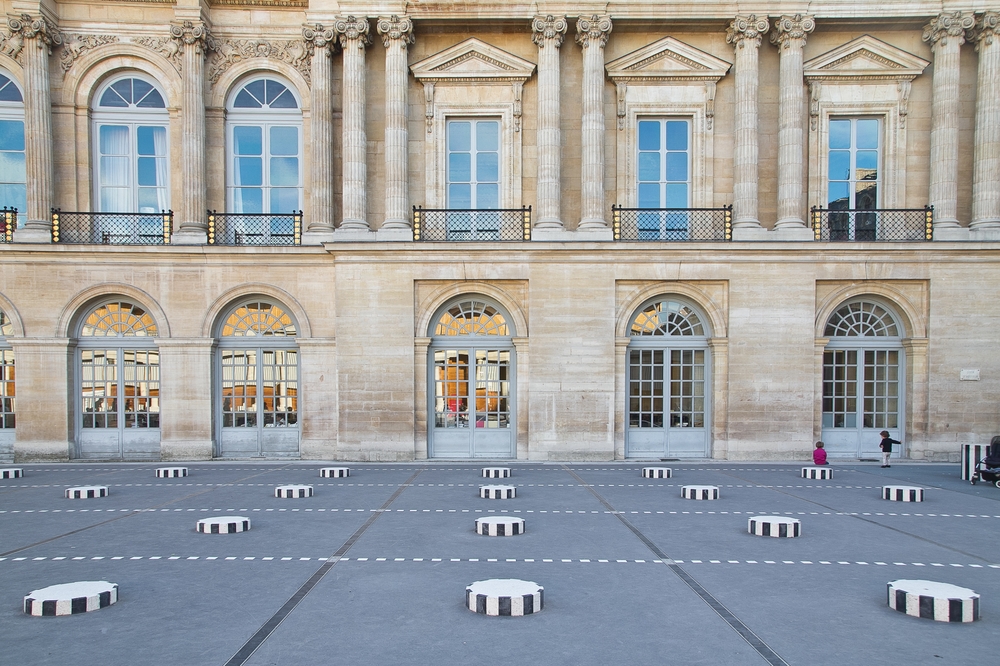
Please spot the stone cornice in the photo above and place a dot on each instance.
(395, 28)
(548, 29)
(745, 29)
(788, 28)
(593, 31)
(949, 26)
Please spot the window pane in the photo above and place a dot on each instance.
(867, 133)
(248, 200)
(488, 196)
(649, 135)
(247, 140)
(488, 135)
(284, 199)
(459, 167)
(840, 195)
(286, 100)
(649, 195)
(459, 136)
(284, 140)
(251, 97)
(153, 100)
(840, 164)
(649, 167)
(459, 195)
(113, 99)
(677, 135)
(840, 134)
(677, 166)
(14, 195)
(284, 171)
(8, 91)
(677, 195)
(151, 140)
(487, 167)
(147, 171)
(867, 162)
(248, 171)
(114, 140)
(11, 135)
(114, 172)
(148, 199)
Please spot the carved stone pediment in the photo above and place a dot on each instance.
(667, 59)
(473, 61)
(864, 59)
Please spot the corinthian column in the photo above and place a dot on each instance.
(592, 34)
(986, 166)
(744, 33)
(37, 38)
(353, 35)
(319, 40)
(397, 35)
(192, 39)
(548, 33)
(790, 38)
(946, 34)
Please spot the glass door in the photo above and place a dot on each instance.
(119, 403)
(259, 402)
(472, 403)
(666, 403)
(861, 397)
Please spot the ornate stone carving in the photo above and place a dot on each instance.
(949, 26)
(165, 46)
(228, 52)
(792, 27)
(190, 33)
(429, 105)
(550, 28)
(75, 46)
(317, 36)
(394, 28)
(746, 28)
(593, 29)
(350, 29)
(986, 29)
(20, 28)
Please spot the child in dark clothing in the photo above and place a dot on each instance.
(819, 454)
(886, 446)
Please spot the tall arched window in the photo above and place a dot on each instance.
(7, 393)
(13, 176)
(668, 368)
(131, 170)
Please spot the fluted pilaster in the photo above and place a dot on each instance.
(397, 35)
(592, 34)
(548, 33)
(193, 39)
(745, 33)
(320, 39)
(354, 37)
(986, 167)
(790, 38)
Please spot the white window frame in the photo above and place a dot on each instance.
(14, 111)
(473, 152)
(663, 151)
(852, 180)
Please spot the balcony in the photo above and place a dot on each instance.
(8, 222)
(458, 225)
(87, 228)
(672, 224)
(254, 228)
(884, 224)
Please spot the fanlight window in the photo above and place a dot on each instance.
(472, 318)
(667, 318)
(6, 325)
(265, 94)
(258, 318)
(131, 93)
(861, 319)
(118, 319)
(9, 91)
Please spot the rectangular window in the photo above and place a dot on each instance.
(132, 169)
(13, 176)
(266, 177)
(473, 179)
(663, 176)
(853, 177)
(7, 388)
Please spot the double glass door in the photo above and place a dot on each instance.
(119, 415)
(472, 403)
(861, 397)
(667, 407)
(259, 402)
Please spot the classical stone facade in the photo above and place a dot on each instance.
(455, 230)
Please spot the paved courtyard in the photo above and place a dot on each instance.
(372, 569)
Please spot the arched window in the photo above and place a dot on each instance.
(666, 317)
(118, 319)
(264, 145)
(13, 176)
(471, 317)
(861, 319)
(258, 318)
(130, 147)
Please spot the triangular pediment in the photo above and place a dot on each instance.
(473, 60)
(865, 58)
(667, 59)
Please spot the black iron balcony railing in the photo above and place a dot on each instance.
(112, 228)
(440, 224)
(254, 228)
(672, 224)
(884, 224)
(8, 222)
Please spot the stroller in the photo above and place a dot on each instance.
(988, 468)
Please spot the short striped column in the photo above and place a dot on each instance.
(971, 454)
(817, 473)
(496, 472)
(171, 472)
(700, 492)
(71, 598)
(335, 472)
(86, 492)
(775, 526)
(942, 602)
(657, 472)
(496, 492)
(223, 525)
(903, 493)
(11, 473)
(499, 526)
(293, 491)
(504, 596)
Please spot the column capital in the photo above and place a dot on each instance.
(34, 27)
(395, 28)
(352, 29)
(318, 36)
(192, 33)
(987, 28)
(593, 30)
(744, 29)
(949, 26)
(550, 29)
(788, 28)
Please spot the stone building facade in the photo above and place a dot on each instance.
(396, 231)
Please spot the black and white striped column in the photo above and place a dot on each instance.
(11, 473)
(171, 472)
(499, 526)
(496, 472)
(775, 526)
(817, 473)
(657, 472)
(335, 472)
(223, 525)
(71, 598)
(942, 602)
(86, 492)
(971, 454)
(293, 491)
(903, 493)
(700, 492)
(497, 492)
(504, 596)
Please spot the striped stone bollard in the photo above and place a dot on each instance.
(817, 473)
(903, 493)
(334, 472)
(86, 492)
(293, 491)
(171, 472)
(499, 526)
(11, 473)
(223, 525)
(504, 596)
(71, 598)
(775, 526)
(928, 599)
(497, 492)
(657, 472)
(496, 472)
(700, 492)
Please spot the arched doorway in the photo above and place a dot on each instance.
(863, 367)
(257, 385)
(471, 378)
(668, 409)
(117, 383)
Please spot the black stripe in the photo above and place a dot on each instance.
(501, 529)
(49, 607)
(481, 603)
(975, 608)
(105, 599)
(528, 603)
(27, 605)
(901, 600)
(926, 607)
(955, 610)
(782, 529)
(78, 605)
(503, 606)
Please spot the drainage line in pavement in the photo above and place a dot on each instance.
(769, 655)
(268, 627)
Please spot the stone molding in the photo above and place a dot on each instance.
(788, 28)
(75, 45)
(745, 29)
(395, 28)
(228, 52)
(551, 29)
(949, 26)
